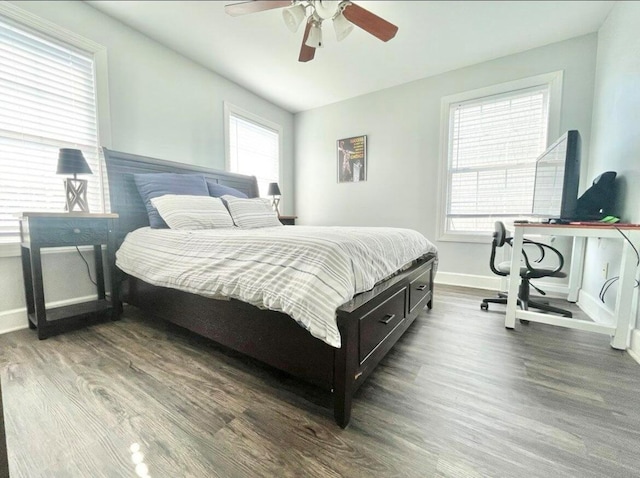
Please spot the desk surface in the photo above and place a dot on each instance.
(580, 225)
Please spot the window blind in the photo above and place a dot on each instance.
(47, 102)
(254, 150)
(493, 145)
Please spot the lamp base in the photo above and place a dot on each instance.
(275, 201)
(76, 193)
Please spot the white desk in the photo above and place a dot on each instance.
(620, 332)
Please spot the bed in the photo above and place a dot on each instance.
(369, 324)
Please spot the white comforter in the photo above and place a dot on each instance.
(305, 272)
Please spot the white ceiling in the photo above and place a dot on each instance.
(258, 52)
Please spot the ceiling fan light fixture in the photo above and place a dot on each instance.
(314, 40)
(293, 17)
(342, 26)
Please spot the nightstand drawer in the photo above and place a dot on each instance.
(380, 322)
(45, 231)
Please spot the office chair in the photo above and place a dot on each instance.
(527, 273)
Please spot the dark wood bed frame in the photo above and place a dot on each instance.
(369, 325)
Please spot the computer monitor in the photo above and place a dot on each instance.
(555, 192)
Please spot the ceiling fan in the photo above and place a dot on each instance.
(344, 14)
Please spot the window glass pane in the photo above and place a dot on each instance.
(254, 150)
(47, 102)
(493, 145)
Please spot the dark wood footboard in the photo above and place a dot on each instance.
(370, 325)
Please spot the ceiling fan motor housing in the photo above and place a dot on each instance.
(326, 9)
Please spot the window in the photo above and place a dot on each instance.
(253, 146)
(47, 102)
(492, 144)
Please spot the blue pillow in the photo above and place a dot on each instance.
(153, 185)
(218, 190)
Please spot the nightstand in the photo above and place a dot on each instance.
(39, 230)
(288, 220)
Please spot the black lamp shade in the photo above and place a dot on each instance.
(71, 161)
(274, 190)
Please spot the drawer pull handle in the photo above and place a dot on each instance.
(421, 287)
(388, 318)
(76, 230)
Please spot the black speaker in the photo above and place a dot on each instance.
(599, 200)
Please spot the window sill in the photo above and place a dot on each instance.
(478, 238)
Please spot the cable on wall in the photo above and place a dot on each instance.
(609, 282)
(88, 268)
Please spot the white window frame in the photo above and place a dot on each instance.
(231, 109)
(101, 81)
(554, 82)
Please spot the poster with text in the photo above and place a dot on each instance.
(352, 159)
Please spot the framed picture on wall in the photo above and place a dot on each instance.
(352, 159)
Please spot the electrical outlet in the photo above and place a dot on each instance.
(605, 270)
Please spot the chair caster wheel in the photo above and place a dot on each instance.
(484, 306)
(524, 322)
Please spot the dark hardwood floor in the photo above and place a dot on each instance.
(459, 396)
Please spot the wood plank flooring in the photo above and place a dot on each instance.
(459, 396)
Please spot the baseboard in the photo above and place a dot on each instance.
(595, 309)
(492, 283)
(634, 350)
(16, 319)
(468, 280)
(11, 320)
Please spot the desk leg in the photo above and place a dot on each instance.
(577, 267)
(514, 279)
(624, 299)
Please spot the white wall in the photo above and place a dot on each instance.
(162, 105)
(616, 132)
(403, 128)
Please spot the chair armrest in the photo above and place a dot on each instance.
(541, 247)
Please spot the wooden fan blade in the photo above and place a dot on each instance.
(254, 6)
(306, 52)
(370, 22)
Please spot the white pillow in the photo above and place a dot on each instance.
(251, 213)
(192, 212)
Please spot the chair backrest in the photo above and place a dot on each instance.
(500, 234)
(499, 239)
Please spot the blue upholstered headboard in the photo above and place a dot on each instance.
(123, 194)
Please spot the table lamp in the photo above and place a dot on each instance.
(71, 161)
(274, 192)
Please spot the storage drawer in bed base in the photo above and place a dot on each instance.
(359, 354)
